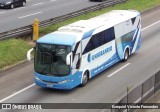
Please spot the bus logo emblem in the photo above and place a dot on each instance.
(89, 58)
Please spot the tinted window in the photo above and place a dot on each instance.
(51, 59)
(128, 37)
(99, 39)
(109, 34)
(89, 46)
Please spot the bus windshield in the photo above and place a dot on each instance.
(51, 59)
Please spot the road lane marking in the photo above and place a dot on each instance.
(2, 12)
(118, 70)
(53, 0)
(38, 3)
(16, 93)
(151, 25)
(30, 15)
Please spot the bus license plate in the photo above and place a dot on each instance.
(49, 85)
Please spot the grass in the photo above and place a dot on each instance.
(14, 50)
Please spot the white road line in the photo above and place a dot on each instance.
(53, 0)
(16, 93)
(2, 12)
(150, 25)
(29, 15)
(38, 3)
(118, 70)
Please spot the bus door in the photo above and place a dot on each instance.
(119, 32)
(77, 54)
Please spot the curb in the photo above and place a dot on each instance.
(19, 64)
(150, 10)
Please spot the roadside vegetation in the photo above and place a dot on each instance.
(14, 50)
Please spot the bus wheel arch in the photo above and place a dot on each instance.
(85, 78)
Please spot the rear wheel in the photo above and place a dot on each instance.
(84, 79)
(126, 55)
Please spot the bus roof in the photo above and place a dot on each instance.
(70, 34)
(110, 19)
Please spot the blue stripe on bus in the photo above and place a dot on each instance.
(105, 65)
(60, 39)
(87, 34)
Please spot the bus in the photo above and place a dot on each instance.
(77, 52)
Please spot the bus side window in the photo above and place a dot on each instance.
(105, 37)
(98, 39)
(89, 46)
(109, 34)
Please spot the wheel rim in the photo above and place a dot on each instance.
(126, 55)
(84, 80)
(24, 3)
(12, 6)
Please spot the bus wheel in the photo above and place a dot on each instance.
(126, 55)
(84, 79)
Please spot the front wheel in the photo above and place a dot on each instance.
(84, 79)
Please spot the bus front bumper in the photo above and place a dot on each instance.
(65, 84)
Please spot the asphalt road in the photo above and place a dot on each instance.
(41, 9)
(101, 89)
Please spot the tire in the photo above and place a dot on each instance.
(12, 6)
(84, 79)
(23, 3)
(126, 55)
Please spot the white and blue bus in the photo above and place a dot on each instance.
(77, 52)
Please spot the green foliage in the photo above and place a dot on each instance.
(12, 51)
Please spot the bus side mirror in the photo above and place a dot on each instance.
(69, 59)
(29, 54)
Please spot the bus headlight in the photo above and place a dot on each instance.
(36, 78)
(64, 81)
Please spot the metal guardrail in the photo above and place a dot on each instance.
(26, 30)
(141, 93)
